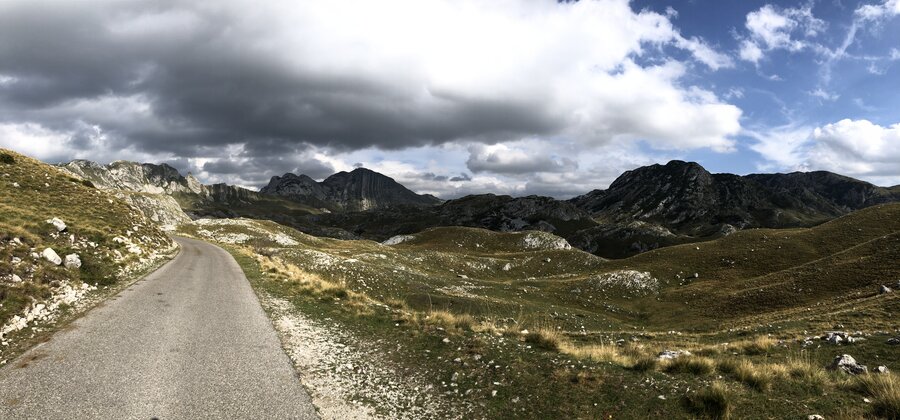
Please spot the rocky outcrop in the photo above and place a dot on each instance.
(359, 190)
(160, 208)
(685, 198)
(132, 176)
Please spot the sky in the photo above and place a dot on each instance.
(456, 97)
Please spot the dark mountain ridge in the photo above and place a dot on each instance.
(685, 198)
(643, 209)
(357, 190)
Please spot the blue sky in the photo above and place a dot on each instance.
(456, 97)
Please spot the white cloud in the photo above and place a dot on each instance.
(503, 159)
(873, 12)
(856, 148)
(825, 95)
(773, 28)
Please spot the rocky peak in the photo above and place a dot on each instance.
(357, 190)
(685, 197)
(294, 186)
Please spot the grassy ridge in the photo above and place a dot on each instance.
(32, 192)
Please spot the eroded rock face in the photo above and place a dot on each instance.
(132, 176)
(162, 209)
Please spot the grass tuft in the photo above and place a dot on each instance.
(713, 402)
(884, 390)
(689, 364)
(546, 338)
(756, 377)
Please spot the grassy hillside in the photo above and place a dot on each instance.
(111, 240)
(578, 336)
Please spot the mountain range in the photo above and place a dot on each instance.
(643, 209)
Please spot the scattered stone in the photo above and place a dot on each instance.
(546, 259)
(696, 275)
(15, 185)
(462, 276)
(880, 369)
(814, 417)
(50, 255)
(58, 224)
(893, 341)
(847, 364)
(884, 289)
(507, 267)
(672, 354)
(73, 261)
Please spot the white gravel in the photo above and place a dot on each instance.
(340, 372)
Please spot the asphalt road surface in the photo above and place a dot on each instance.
(189, 341)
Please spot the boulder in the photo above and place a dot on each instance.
(880, 369)
(893, 341)
(847, 364)
(15, 278)
(73, 261)
(814, 417)
(884, 289)
(672, 354)
(58, 224)
(50, 255)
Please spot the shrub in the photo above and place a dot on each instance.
(7, 158)
(712, 402)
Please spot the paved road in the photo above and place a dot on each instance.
(189, 341)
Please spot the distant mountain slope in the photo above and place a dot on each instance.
(685, 198)
(360, 189)
(495, 212)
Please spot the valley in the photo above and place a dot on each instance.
(720, 296)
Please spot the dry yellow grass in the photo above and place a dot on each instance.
(450, 320)
(885, 392)
(597, 352)
(759, 345)
(547, 338)
(712, 402)
(758, 377)
(689, 364)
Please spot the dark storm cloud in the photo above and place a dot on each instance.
(461, 178)
(201, 85)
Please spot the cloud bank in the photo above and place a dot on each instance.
(237, 90)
